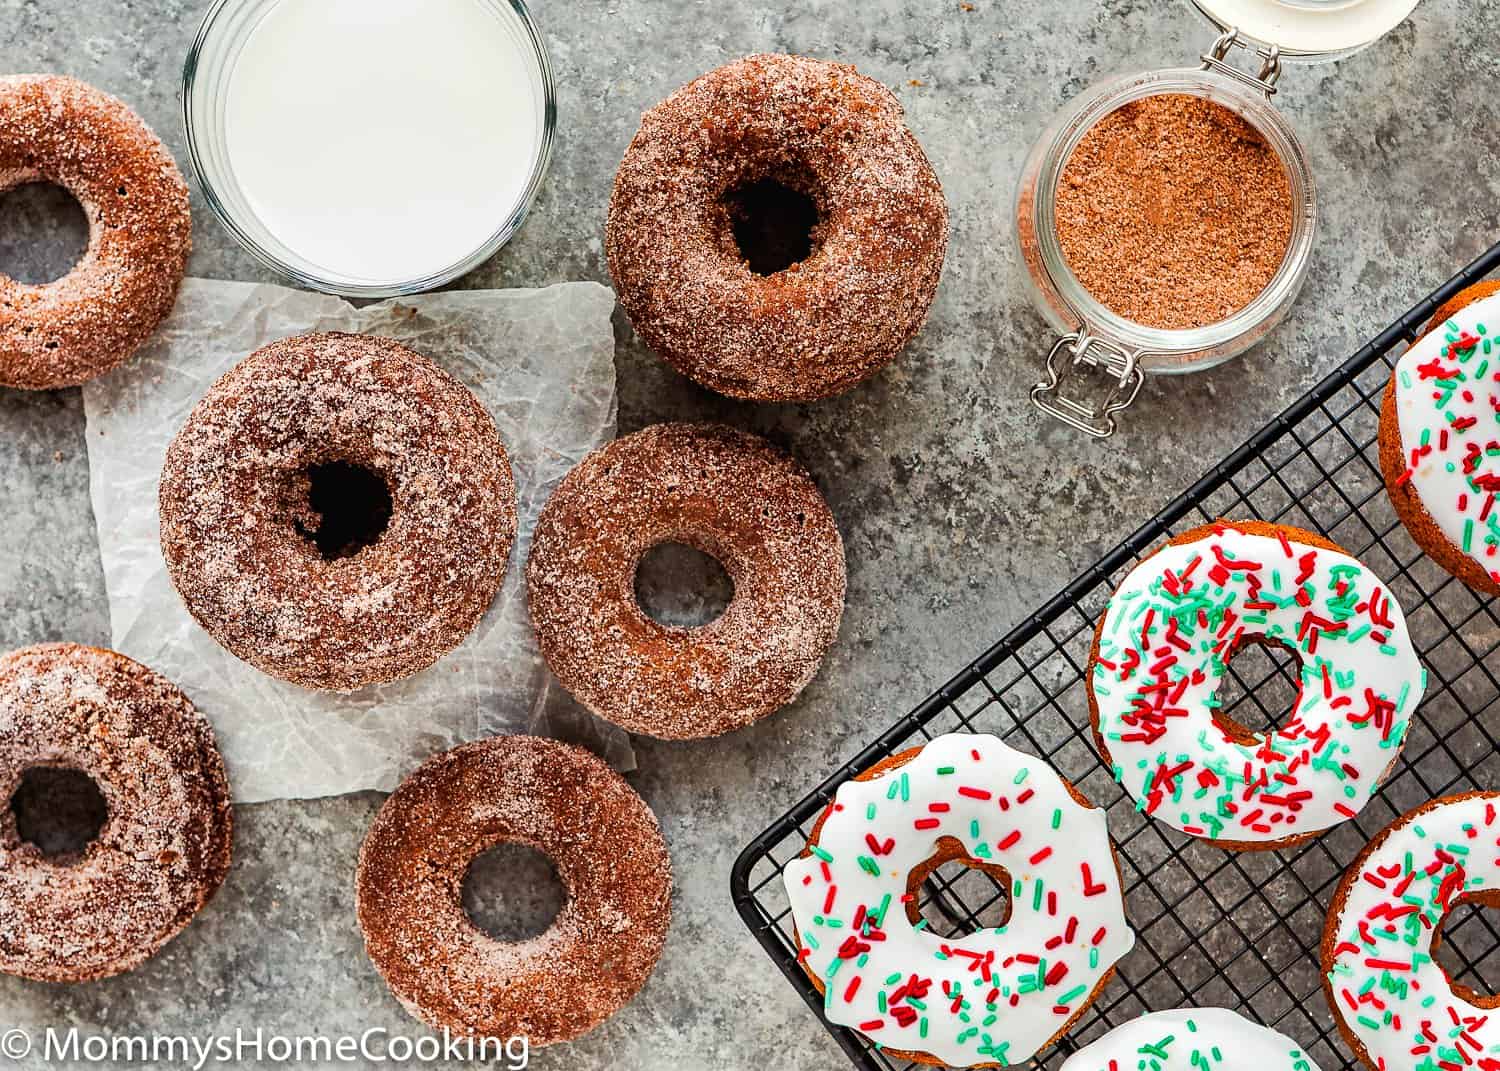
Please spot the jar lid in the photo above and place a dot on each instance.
(1309, 28)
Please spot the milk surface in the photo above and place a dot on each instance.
(383, 140)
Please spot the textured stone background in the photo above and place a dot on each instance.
(961, 509)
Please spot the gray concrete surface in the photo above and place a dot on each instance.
(961, 509)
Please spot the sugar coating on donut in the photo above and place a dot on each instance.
(1191, 1039)
(823, 324)
(565, 803)
(235, 507)
(729, 494)
(163, 850)
(60, 130)
(1393, 1001)
(1440, 442)
(993, 997)
(1161, 655)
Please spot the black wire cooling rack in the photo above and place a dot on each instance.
(1213, 927)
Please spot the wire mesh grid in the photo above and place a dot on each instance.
(1213, 927)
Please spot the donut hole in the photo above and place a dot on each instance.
(773, 223)
(1262, 687)
(58, 810)
(1466, 944)
(957, 895)
(681, 586)
(352, 506)
(44, 233)
(512, 892)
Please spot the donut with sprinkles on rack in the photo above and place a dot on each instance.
(568, 805)
(1440, 438)
(775, 231)
(1393, 1002)
(337, 511)
(991, 998)
(1161, 654)
(60, 130)
(728, 494)
(1191, 1039)
(164, 847)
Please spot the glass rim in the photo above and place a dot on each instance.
(1056, 148)
(341, 286)
(1340, 47)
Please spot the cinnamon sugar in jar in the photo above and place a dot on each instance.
(1174, 212)
(1166, 218)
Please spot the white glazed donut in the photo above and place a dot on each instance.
(996, 996)
(1440, 440)
(1394, 1003)
(1191, 1039)
(1160, 657)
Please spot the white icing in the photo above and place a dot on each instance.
(1191, 1039)
(1459, 493)
(1384, 983)
(1006, 1018)
(1323, 761)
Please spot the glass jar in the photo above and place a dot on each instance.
(207, 75)
(1091, 338)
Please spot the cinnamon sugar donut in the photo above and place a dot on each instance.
(728, 494)
(571, 807)
(272, 563)
(690, 210)
(162, 852)
(57, 129)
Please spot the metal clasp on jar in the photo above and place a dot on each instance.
(1081, 351)
(1264, 80)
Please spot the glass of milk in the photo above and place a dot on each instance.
(370, 147)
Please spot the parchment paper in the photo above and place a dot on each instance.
(541, 361)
